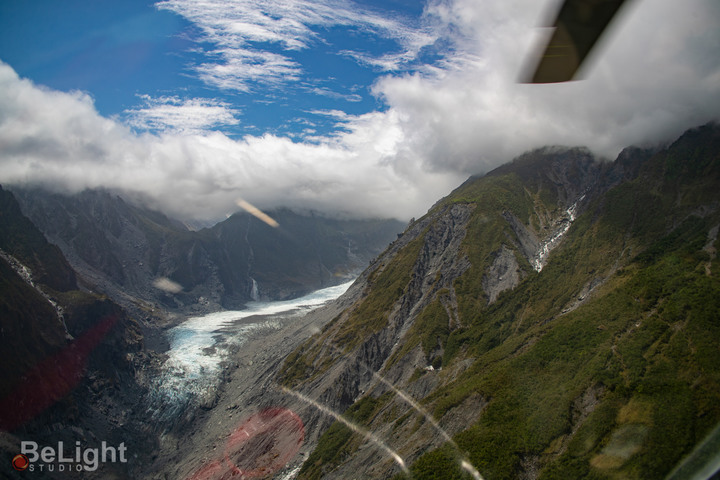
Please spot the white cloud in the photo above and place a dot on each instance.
(181, 115)
(326, 92)
(237, 68)
(58, 140)
(338, 115)
(246, 35)
(658, 75)
(654, 76)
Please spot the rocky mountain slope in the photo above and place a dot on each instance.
(556, 318)
(69, 357)
(130, 253)
(77, 368)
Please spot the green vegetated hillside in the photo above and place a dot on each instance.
(605, 363)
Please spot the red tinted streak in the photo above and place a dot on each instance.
(52, 378)
(212, 471)
(258, 447)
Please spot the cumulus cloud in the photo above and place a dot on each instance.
(658, 74)
(58, 140)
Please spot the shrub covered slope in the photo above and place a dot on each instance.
(558, 317)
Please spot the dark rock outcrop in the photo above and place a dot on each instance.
(69, 357)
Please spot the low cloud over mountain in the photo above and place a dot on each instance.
(462, 114)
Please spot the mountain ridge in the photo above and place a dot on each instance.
(555, 318)
(529, 369)
(125, 250)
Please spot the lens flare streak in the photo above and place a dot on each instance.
(355, 428)
(464, 462)
(256, 212)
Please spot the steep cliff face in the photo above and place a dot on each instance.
(69, 357)
(22, 238)
(555, 317)
(130, 253)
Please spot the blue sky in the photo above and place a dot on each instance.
(367, 108)
(151, 63)
(114, 50)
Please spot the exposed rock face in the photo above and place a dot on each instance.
(525, 239)
(503, 274)
(439, 263)
(436, 267)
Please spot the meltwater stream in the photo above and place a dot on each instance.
(192, 372)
